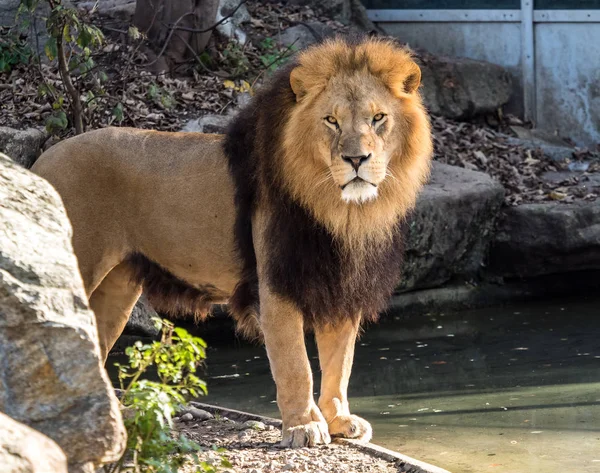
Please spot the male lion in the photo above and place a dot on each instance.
(294, 215)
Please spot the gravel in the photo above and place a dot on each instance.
(250, 449)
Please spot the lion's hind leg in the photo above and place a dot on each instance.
(112, 302)
(336, 354)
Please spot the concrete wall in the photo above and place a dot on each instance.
(568, 79)
(567, 60)
(498, 43)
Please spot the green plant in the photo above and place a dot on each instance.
(71, 43)
(14, 50)
(274, 57)
(149, 406)
(160, 96)
(235, 60)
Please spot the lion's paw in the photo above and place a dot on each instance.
(306, 435)
(351, 427)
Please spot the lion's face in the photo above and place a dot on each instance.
(356, 138)
(355, 122)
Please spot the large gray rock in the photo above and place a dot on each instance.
(119, 9)
(24, 450)
(348, 12)
(302, 36)
(140, 322)
(211, 123)
(539, 239)
(552, 146)
(463, 88)
(450, 230)
(236, 15)
(23, 146)
(52, 376)
(8, 12)
(37, 21)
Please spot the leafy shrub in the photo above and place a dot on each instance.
(14, 50)
(149, 406)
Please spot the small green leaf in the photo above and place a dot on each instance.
(50, 49)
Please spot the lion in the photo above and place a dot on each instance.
(294, 217)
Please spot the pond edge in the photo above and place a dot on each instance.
(408, 464)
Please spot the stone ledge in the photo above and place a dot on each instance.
(549, 238)
(449, 232)
(404, 462)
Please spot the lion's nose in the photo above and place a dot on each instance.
(356, 161)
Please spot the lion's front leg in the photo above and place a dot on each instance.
(283, 329)
(336, 353)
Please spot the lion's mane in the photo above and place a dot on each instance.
(328, 270)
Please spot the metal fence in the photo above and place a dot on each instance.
(552, 47)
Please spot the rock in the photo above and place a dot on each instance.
(8, 12)
(24, 450)
(449, 231)
(208, 124)
(231, 28)
(539, 239)
(52, 377)
(187, 417)
(302, 36)
(463, 88)
(243, 99)
(588, 181)
(254, 425)
(552, 146)
(289, 467)
(118, 9)
(140, 322)
(23, 146)
(348, 12)
(198, 414)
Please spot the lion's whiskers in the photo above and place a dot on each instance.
(391, 174)
(327, 177)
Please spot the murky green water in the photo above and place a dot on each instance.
(513, 390)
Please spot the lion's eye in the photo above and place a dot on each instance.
(378, 117)
(331, 120)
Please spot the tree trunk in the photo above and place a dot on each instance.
(166, 23)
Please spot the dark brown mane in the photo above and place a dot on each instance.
(169, 294)
(326, 280)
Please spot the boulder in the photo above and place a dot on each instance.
(302, 36)
(449, 232)
(463, 88)
(52, 376)
(348, 12)
(23, 146)
(211, 123)
(24, 450)
(8, 13)
(551, 145)
(539, 239)
(231, 28)
(140, 322)
(122, 10)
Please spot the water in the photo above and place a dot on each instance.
(504, 390)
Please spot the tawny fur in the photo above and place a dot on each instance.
(269, 217)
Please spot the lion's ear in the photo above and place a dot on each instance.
(405, 80)
(413, 80)
(297, 83)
